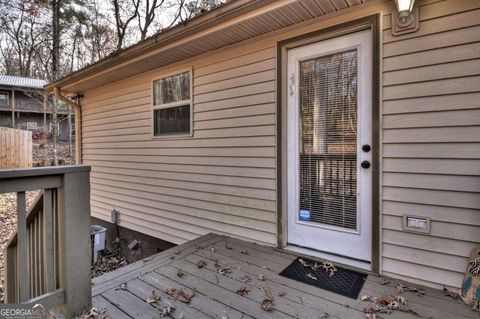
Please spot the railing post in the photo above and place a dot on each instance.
(22, 250)
(11, 275)
(74, 242)
(48, 240)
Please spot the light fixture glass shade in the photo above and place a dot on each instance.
(404, 5)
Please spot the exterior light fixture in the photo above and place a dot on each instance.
(405, 18)
(404, 11)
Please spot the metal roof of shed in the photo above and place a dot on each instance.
(21, 82)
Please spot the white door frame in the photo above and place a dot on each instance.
(339, 239)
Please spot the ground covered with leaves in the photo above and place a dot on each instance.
(43, 153)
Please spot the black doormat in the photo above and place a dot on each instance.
(344, 282)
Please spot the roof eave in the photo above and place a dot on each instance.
(197, 24)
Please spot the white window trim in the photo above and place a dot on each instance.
(170, 105)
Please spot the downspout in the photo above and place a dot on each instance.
(78, 123)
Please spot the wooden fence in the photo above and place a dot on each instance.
(15, 148)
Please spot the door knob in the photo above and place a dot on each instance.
(366, 148)
(365, 164)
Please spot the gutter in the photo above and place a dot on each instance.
(78, 123)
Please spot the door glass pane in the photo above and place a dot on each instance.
(328, 139)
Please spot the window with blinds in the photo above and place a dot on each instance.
(328, 140)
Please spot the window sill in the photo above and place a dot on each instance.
(175, 136)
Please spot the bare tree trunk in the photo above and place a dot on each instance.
(121, 25)
(69, 132)
(55, 69)
(44, 115)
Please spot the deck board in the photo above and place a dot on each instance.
(216, 295)
(204, 303)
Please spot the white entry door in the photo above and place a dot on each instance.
(329, 138)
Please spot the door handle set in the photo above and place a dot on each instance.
(365, 164)
(366, 148)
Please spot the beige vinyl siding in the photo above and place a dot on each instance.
(221, 180)
(431, 143)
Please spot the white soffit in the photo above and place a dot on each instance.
(244, 27)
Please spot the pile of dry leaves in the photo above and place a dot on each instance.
(328, 267)
(107, 264)
(389, 303)
(8, 225)
(386, 304)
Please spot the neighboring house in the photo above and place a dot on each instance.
(24, 105)
(325, 127)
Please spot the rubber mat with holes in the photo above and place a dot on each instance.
(343, 282)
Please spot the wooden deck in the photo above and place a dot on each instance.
(123, 293)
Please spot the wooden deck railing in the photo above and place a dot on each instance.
(48, 260)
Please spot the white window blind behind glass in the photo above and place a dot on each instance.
(328, 140)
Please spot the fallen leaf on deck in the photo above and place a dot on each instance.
(370, 312)
(400, 288)
(385, 300)
(385, 282)
(201, 263)
(410, 311)
(309, 275)
(166, 311)
(387, 304)
(222, 270)
(267, 303)
(122, 287)
(450, 294)
(401, 300)
(330, 268)
(303, 263)
(421, 292)
(153, 297)
(316, 266)
(243, 291)
(95, 314)
(179, 294)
